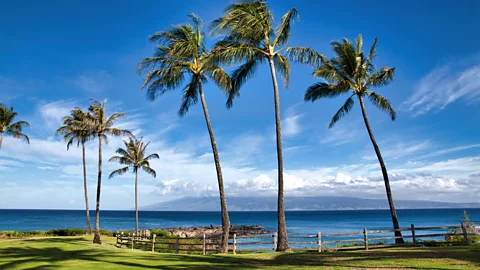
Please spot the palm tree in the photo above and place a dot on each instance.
(181, 51)
(250, 38)
(7, 126)
(352, 72)
(101, 127)
(75, 130)
(133, 156)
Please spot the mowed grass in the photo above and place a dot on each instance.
(80, 253)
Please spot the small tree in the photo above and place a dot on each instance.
(133, 156)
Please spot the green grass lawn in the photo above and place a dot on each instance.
(80, 253)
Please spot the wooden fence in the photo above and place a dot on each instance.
(366, 239)
(189, 244)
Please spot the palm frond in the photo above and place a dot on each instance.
(305, 55)
(325, 90)
(149, 170)
(382, 77)
(283, 30)
(118, 172)
(383, 104)
(152, 156)
(347, 106)
(283, 67)
(190, 95)
(240, 76)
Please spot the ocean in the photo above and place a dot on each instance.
(298, 222)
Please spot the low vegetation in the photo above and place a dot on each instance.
(80, 253)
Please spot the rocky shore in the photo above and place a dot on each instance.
(243, 230)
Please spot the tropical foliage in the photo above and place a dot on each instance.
(352, 72)
(133, 156)
(250, 39)
(9, 127)
(74, 130)
(101, 126)
(181, 52)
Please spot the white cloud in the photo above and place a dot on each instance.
(450, 150)
(53, 112)
(444, 85)
(93, 81)
(400, 150)
(341, 134)
(291, 124)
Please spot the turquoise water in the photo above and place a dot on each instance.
(298, 222)
(304, 223)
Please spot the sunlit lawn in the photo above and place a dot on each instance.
(80, 253)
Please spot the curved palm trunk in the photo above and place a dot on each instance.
(89, 229)
(96, 238)
(282, 244)
(1, 140)
(223, 199)
(136, 202)
(393, 212)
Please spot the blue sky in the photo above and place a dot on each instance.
(59, 54)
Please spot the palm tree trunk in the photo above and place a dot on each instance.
(96, 238)
(223, 199)
(1, 139)
(393, 212)
(136, 202)
(282, 244)
(89, 229)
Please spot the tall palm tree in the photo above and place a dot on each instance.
(352, 72)
(181, 52)
(75, 129)
(134, 157)
(8, 127)
(101, 127)
(250, 39)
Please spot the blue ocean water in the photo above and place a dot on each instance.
(298, 222)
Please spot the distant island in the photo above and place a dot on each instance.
(296, 203)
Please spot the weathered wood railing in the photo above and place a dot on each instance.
(365, 239)
(190, 244)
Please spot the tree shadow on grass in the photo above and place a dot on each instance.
(53, 256)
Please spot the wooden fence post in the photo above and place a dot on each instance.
(319, 241)
(133, 239)
(177, 245)
(414, 240)
(234, 243)
(121, 239)
(365, 238)
(153, 242)
(204, 245)
(464, 231)
(275, 241)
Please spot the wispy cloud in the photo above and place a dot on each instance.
(93, 81)
(403, 149)
(450, 150)
(444, 85)
(53, 112)
(341, 134)
(291, 124)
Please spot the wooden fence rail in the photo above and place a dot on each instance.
(366, 239)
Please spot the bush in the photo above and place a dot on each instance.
(53, 232)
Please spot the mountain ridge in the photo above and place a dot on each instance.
(235, 203)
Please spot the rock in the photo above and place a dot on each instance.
(197, 232)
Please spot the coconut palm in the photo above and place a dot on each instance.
(133, 156)
(181, 52)
(74, 130)
(352, 72)
(101, 127)
(251, 39)
(8, 127)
